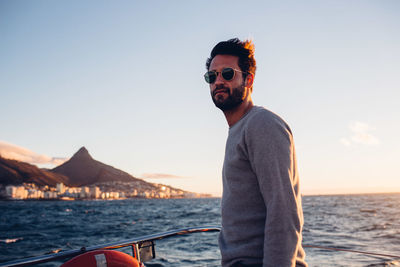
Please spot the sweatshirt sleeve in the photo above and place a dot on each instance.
(272, 157)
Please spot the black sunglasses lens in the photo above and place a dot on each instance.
(228, 73)
(210, 76)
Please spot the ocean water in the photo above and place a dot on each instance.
(369, 223)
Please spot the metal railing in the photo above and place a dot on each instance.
(112, 245)
(138, 241)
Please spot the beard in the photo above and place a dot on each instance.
(233, 100)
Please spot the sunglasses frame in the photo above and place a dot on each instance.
(217, 72)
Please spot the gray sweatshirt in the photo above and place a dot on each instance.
(262, 217)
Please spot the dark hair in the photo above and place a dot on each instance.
(244, 50)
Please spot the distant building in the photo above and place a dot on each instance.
(146, 194)
(134, 193)
(85, 192)
(114, 195)
(94, 192)
(16, 192)
(72, 192)
(60, 188)
(50, 195)
(35, 194)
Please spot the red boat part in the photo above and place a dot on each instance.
(102, 258)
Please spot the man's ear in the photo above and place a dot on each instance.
(249, 80)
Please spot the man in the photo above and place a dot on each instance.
(261, 209)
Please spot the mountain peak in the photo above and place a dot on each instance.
(82, 169)
(82, 153)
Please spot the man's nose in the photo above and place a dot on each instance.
(219, 79)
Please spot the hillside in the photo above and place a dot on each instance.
(15, 172)
(82, 170)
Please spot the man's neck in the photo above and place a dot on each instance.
(234, 115)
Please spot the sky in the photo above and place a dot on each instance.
(125, 80)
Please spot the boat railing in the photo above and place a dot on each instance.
(142, 246)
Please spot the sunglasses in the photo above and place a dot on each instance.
(227, 73)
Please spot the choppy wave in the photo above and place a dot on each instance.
(366, 223)
(10, 240)
(369, 223)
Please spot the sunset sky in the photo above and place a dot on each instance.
(125, 80)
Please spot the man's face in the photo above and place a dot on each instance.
(227, 95)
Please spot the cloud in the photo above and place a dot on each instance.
(345, 142)
(11, 151)
(160, 176)
(360, 134)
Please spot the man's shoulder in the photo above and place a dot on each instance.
(266, 124)
(261, 116)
